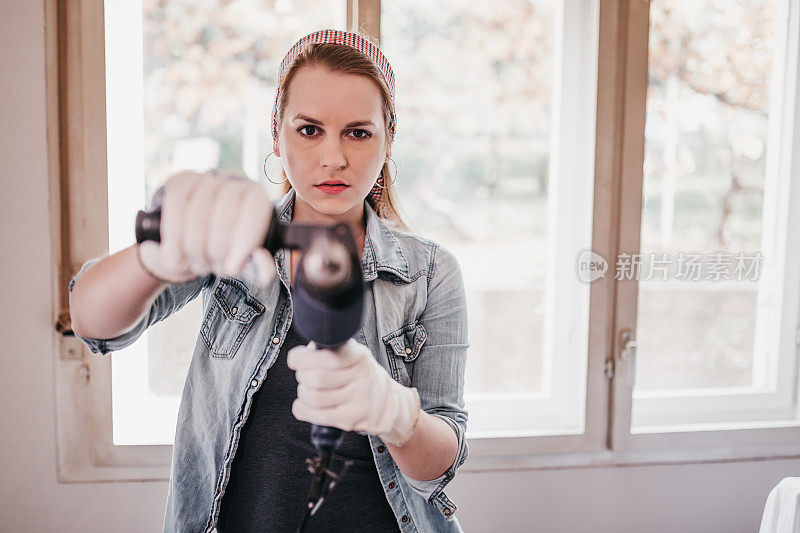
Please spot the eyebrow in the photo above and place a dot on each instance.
(319, 123)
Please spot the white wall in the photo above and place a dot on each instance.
(693, 498)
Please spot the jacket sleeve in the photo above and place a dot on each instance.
(170, 300)
(439, 369)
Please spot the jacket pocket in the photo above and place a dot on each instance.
(231, 313)
(404, 345)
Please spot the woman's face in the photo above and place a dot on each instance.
(332, 131)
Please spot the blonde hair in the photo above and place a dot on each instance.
(344, 59)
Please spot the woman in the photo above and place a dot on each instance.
(254, 387)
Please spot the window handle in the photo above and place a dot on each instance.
(628, 354)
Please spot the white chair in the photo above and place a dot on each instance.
(781, 510)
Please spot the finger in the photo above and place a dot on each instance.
(315, 378)
(197, 221)
(301, 411)
(250, 229)
(177, 189)
(324, 398)
(353, 351)
(334, 417)
(296, 357)
(265, 264)
(222, 221)
(301, 357)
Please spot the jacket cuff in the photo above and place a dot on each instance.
(463, 447)
(424, 488)
(432, 489)
(105, 346)
(96, 346)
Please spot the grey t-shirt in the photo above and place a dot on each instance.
(269, 479)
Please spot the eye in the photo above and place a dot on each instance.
(362, 134)
(307, 126)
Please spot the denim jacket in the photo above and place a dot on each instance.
(415, 324)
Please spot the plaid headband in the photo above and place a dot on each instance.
(352, 40)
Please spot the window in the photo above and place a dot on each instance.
(721, 120)
(714, 187)
(188, 86)
(485, 105)
(547, 144)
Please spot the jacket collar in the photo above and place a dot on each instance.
(381, 249)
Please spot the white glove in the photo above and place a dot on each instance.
(212, 221)
(348, 389)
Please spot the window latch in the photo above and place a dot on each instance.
(628, 354)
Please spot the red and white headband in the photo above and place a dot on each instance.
(340, 37)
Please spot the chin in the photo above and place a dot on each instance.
(326, 208)
(332, 205)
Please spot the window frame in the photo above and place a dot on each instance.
(76, 126)
(558, 411)
(774, 352)
(714, 440)
(76, 111)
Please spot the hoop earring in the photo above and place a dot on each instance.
(267, 175)
(394, 180)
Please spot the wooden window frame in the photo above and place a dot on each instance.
(75, 44)
(75, 63)
(708, 441)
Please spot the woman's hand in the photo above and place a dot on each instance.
(349, 390)
(210, 222)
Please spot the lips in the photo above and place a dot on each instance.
(332, 186)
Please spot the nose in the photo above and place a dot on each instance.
(332, 154)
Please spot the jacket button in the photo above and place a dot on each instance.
(233, 311)
(408, 350)
(405, 518)
(391, 485)
(381, 448)
(254, 383)
(276, 340)
(447, 512)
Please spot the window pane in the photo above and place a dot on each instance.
(474, 90)
(190, 85)
(708, 103)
